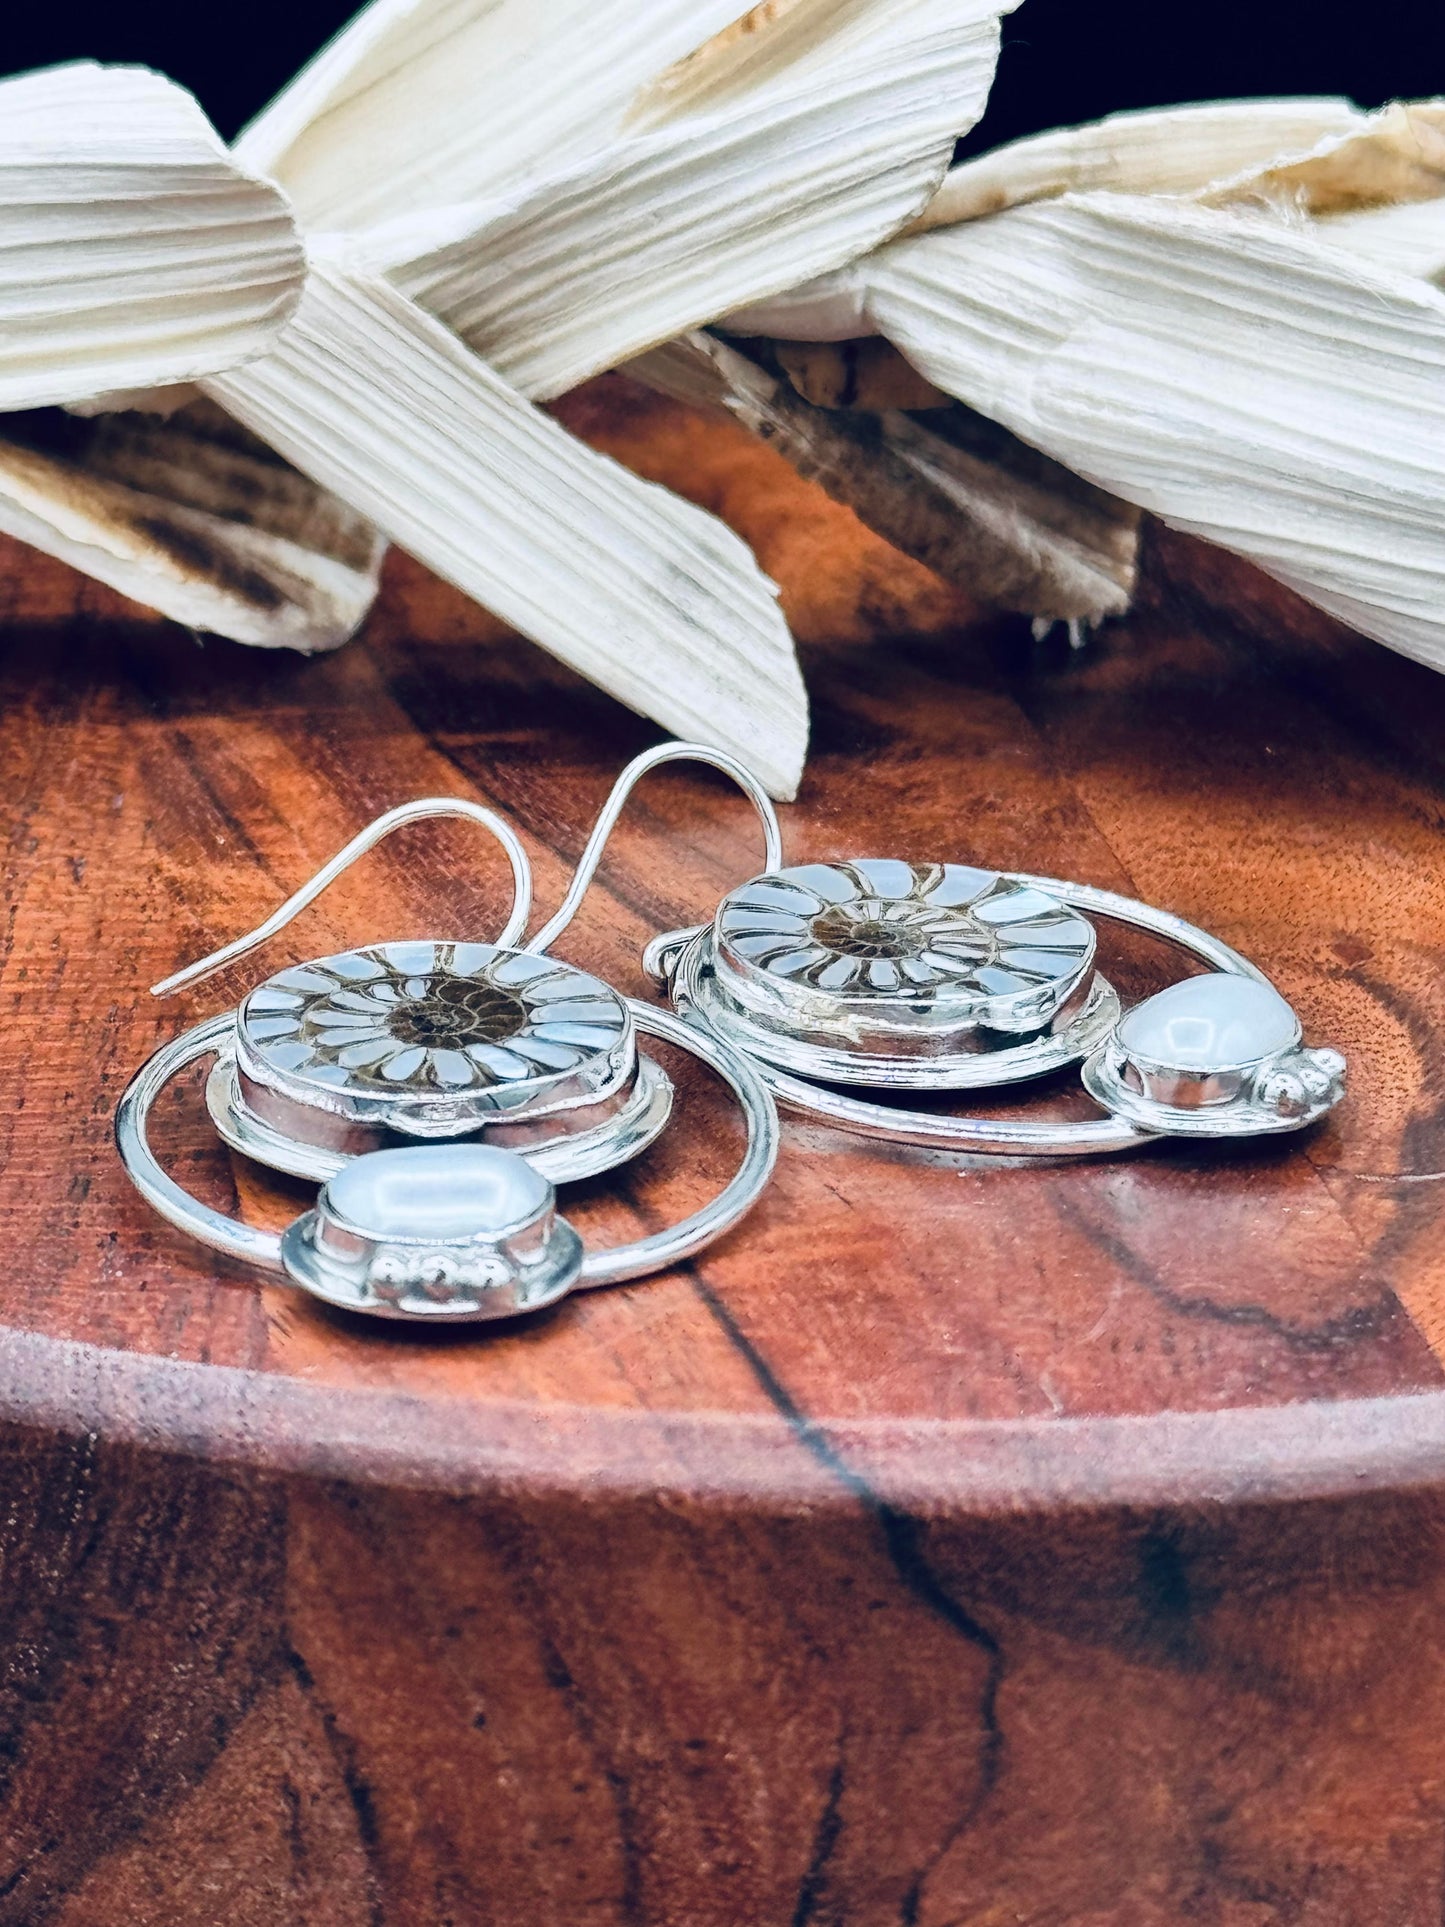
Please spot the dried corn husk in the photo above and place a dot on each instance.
(1308, 160)
(829, 308)
(133, 249)
(561, 188)
(1406, 240)
(737, 178)
(957, 492)
(1160, 150)
(425, 104)
(1394, 156)
(641, 592)
(1238, 376)
(193, 517)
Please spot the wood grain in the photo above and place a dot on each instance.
(956, 1543)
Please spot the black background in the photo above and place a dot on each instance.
(1063, 61)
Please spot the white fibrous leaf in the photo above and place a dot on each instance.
(1232, 373)
(1409, 239)
(831, 307)
(1157, 150)
(1394, 156)
(1311, 159)
(133, 248)
(422, 104)
(783, 153)
(192, 517)
(642, 593)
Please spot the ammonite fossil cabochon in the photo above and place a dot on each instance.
(432, 1039)
(919, 959)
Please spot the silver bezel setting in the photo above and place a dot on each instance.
(425, 1042)
(881, 961)
(1286, 1090)
(384, 1036)
(439, 1274)
(550, 1143)
(991, 1059)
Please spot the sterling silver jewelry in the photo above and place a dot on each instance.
(440, 1090)
(901, 977)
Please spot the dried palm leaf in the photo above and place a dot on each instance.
(643, 593)
(193, 517)
(133, 248)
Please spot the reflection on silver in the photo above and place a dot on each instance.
(830, 1048)
(564, 1146)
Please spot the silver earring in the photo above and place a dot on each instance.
(440, 1091)
(899, 977)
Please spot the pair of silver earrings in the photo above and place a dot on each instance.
(439, 1091)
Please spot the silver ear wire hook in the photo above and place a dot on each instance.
(374, 833)
(616, 802)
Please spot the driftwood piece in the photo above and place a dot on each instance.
(965, 497)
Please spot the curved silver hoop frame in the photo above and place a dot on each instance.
(264, 1249)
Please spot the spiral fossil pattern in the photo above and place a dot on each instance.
(881, 928)
(446, 1017)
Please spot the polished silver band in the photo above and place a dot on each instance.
(1092, 1137)
(608, 1267)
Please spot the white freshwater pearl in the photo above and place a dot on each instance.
(1210, 1023)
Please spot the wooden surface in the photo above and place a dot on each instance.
(957, 1543)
